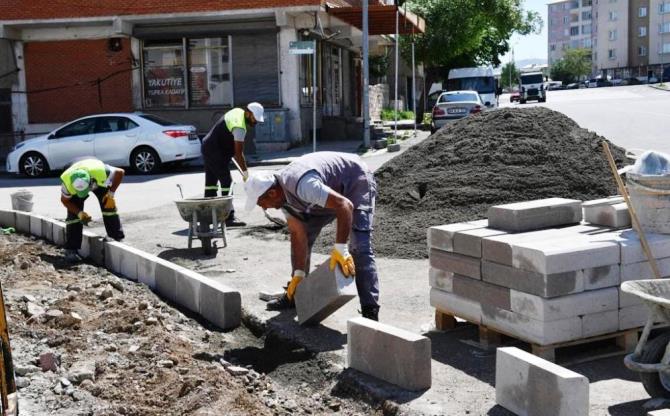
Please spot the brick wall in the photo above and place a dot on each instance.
(76, 65)
(48, 9)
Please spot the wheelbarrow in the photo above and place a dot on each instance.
(206, 218)
(651, 357)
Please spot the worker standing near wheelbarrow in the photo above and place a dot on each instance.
(314, 190)
(85, 176)
(226, 141)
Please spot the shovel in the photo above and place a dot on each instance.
(280, 222)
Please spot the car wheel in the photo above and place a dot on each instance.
(34, 165)
(522, 101)
(145, 160)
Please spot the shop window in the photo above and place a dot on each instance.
(164, 84)
(307, 81)
(209, 72)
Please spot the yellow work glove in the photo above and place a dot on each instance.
(108, 201)
(84, 217)
(245, 175)
(340, 255)
(298, 275)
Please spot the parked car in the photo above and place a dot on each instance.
(515, 96)
(454, 105)
(573, 86)
(142, 141)
(599, 82)
(632, 81)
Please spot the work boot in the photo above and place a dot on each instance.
(280, 304)
(71, 256)
(232, 221)
(370, 312)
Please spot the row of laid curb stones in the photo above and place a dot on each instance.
(215, 302)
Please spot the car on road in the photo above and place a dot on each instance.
(454, 105)
(144, 142)
(515, 96)
(573, 86)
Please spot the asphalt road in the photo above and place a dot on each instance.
(635, 117)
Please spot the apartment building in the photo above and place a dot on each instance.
(570, 26)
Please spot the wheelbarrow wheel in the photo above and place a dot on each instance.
(206, 245)
(656, 384)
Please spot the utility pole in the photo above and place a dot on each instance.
(366, 77)
(397, 46)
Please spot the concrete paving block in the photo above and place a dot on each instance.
(626, 300)
(58, 233)
(536, 307)
(165, 276)
(609, 212)
(631, 248)
(482, 292)
(442, 236)
(370, 345)
(633, 317)
(48, 229)
(441, 279)
(146, 269)
(129, 261)
(7, 218)
(95, 246)
(457, 263)
(564, 255)
(113, 256)
(535, 215)
(642, 270)
(321, 293)
(220, 305)
(469, 242)
(22, 222)
(531, 330)
(601, 323)
(547, 286)
(528, 385)
(601, 277)
(36, 225)
(456, 305)
(188, 289)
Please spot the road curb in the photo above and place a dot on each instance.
(656, 87)
(209, 299)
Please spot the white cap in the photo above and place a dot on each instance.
(256, 186)
(257, 110)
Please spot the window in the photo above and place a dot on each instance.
(552, 47)
(611, 53)
(113, 124)
(586, 29)
(574, 30)
(566, 20)
(566, 32)
(642, 12)
(664, 27)
(553, 22)
(574, 44)
(158, 120)
(665, 48)
(78, 128)
(664, 8)
(209, 72)
(586, 15)
(642, 31)
(164, 84)
(587, 3)
(642, 51)
(612, 34)
(613, 15)
(588, 43)
(307, 81)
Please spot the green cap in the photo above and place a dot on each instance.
(81, 182)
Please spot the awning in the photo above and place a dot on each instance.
(381, 19)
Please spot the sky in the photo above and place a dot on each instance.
(531, 46)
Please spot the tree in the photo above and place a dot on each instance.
(509, 76)
(575, 64)
(463, 33)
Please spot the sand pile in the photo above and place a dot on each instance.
(497, 157)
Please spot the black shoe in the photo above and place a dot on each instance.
(234, 222)
(370, 312)
(280, 304)
(72, 256)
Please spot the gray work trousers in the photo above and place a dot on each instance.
(360, 246)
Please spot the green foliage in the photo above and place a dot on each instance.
(576, 63)
(461, 33)
(378, 66)
(427, 119)
(509, 72)
(388, 114)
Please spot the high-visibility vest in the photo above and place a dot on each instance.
(235, 119)
(94, 167)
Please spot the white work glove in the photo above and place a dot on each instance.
(340, 256)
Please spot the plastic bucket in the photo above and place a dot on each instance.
(650, 197)
(22, 200)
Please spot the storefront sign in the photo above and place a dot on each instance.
(303, 47)
(164, 87)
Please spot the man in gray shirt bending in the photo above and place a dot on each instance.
(313, 191)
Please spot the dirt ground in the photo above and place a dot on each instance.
(86, 342)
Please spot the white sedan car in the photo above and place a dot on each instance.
(141, 141)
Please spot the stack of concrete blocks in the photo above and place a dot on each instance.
(534, 272)
(609, 212)
(213, 301)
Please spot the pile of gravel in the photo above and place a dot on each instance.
(497, 157)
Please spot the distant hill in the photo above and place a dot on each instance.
(524, 62)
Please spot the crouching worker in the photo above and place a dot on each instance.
(313, 191)
(83, 177)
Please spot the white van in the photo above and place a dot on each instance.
(480, 79)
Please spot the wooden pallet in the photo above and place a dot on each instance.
(625, 341)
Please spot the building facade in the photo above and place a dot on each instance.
(188, 61)
(570, 26)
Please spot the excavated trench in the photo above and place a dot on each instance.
(111, 347)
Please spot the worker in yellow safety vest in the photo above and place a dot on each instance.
(223, 142)
(85, 176)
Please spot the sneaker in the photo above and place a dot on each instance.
(370, 312)
(71, 256)
(281, 303)
(234, 222)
